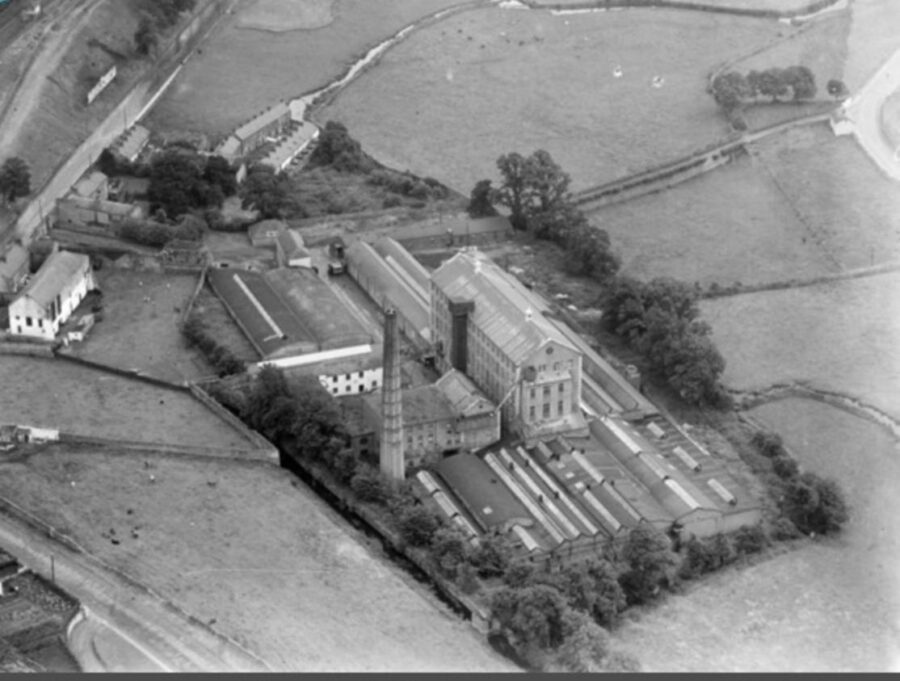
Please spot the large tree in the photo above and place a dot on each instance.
(513, 191)
(265, 191)
(730, 89)
(177, 184)
(533, 617)
(481, 200)
(337, 149)
(594, 588)
(650, 560)
(801, 81)
(146, 36)
(15, 178)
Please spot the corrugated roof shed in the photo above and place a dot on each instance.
(318, 308)
(502, 304)
(462, 393)
(366, 263)
(56, 272)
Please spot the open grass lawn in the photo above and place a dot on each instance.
(840, 336)
(83, 401)
(255, 552)
(848, 206)
(451, 98)
(241, 71)
(725, 226)
(140, 327)
(832, 605)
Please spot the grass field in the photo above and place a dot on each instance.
(287, 578)
(140, 325)
(242, 71)
(828, 606)
(782, 5)
(726, 226)
(848, 205)
(456, 95)
(841, 336)
(82, 401)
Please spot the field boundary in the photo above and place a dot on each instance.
(781, 391)
(809, 8)
(670, 173)
(261, 443)
(196, 452)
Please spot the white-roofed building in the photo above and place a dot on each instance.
(487, 325)
(51, 296)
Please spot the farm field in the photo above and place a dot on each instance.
(451, 98)
(725, 226)
(828, 606)
(288, 579)
(243, 70)
(840, 336)
(140, 326)
(848, 206)
(780, 5)
(84, 401)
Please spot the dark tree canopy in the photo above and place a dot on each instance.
(265, 191)
(513, 191)
(146, 37)
(177, 184)
(533, 616)
(650, 560)
(218, 172)
(481, 200)
(337, 149)
(836, 88)
(15, 178)
(816, 504)
(417, 525)
(730, 89)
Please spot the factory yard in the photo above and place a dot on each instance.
(287, 579)
(54, 393)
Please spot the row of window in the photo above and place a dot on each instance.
(545, 410)
(334, 379)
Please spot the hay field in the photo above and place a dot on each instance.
(454, 96)
(828, 606)
(848, 205)
(872, 40)
(83, 401)
(241, 71)
(840, 336)
(725, 226)
(140, 327)
(254, 552)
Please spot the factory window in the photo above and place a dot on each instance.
(556, 366)
(531, 412)
(334, 379)
(360, 374)
(334, 390)
(27, 321)
(546, 410)
(546, 391)
(361, 387)
(374, 384)
(559, 408)
(562, 387)
(363, 440)
(348, 377)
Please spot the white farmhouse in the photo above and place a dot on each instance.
(51, 296)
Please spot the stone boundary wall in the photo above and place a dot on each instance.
(809, 8)
(26, 349)
(261, 444)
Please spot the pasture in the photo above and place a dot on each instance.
(726, 226)
(872, 39)
(454, 96)
(849, 208)
(254, 553)
(140, 326)
(87, 402)
(828, 606)
(840, 336)
(778, 5)
(245, 67)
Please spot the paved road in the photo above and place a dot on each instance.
(155, 636)
(864, 110)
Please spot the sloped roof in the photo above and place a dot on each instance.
(90, 184)
(262, 120)
(502, 304)
(466, 399)
(56, 272)
(401, 259)
(291, 243)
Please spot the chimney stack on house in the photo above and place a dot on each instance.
(391, 448)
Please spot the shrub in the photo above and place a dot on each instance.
(815, 504)
(518, 575)
(491, 558)
(417, 525)
(783, 529)
(369, 485)
(749, 540)
(344, 465)
(721, 550)
(449, 549)
(785, 467)
(391, 202)
(467, 579)
(767, 443)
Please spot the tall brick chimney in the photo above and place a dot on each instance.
(391, 449)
